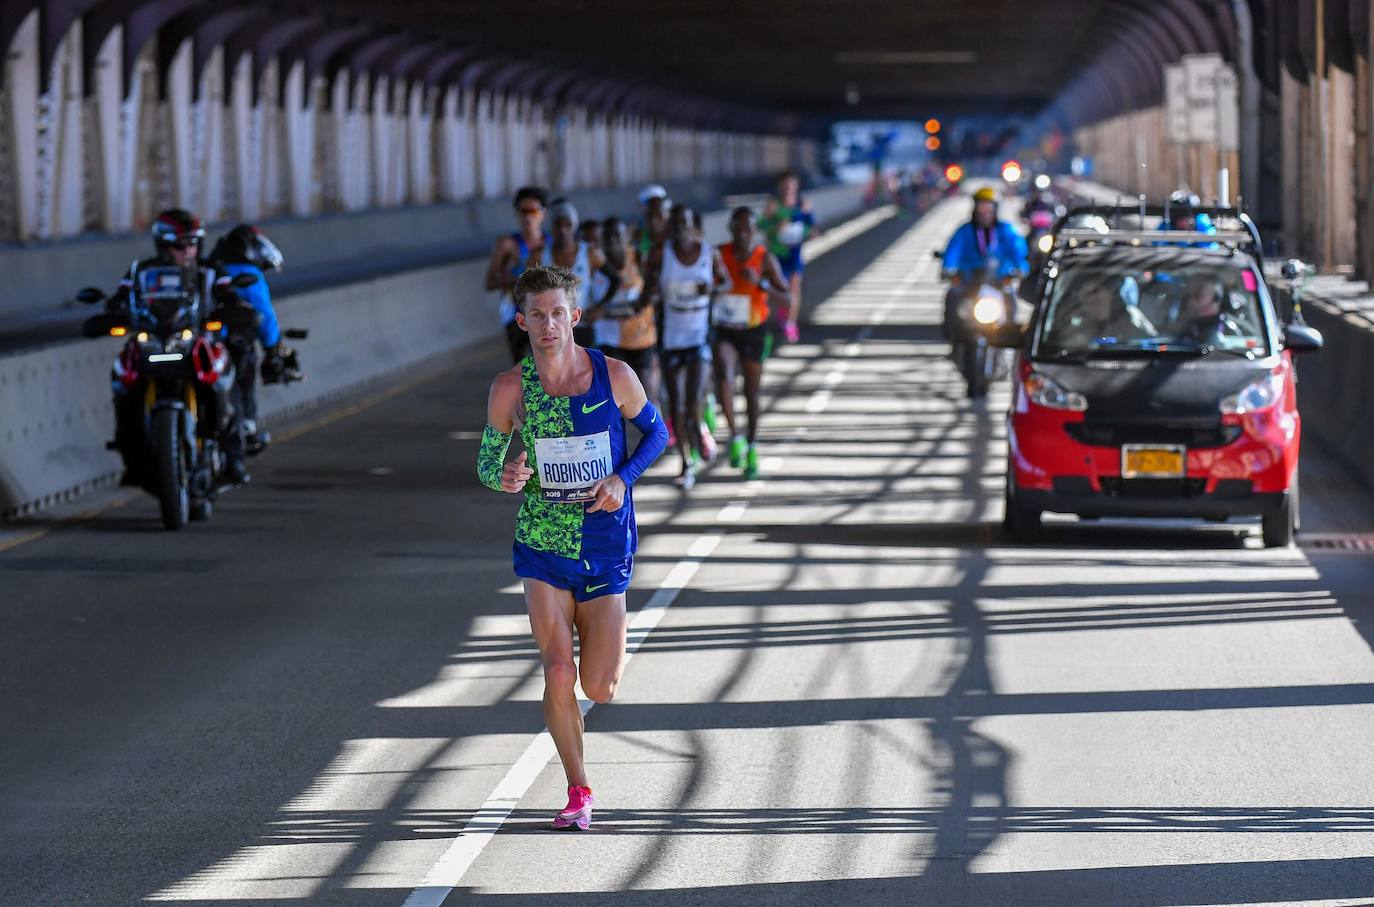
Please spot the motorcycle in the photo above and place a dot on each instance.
(177, 376)
(975, 309)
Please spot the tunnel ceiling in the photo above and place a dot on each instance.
(734, 64)
(799, 56)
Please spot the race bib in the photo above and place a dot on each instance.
(684, 292)
(569, 467)
(734, 311)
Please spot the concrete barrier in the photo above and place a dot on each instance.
(55, 413)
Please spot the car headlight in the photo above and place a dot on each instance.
(1046, 392)
(1046, 243)
(1261, 393)
(989, 310)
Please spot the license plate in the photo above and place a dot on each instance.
(1145, 461)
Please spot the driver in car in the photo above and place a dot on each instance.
(1100, 314)
(1202, 320)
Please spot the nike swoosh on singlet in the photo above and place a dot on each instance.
(591, 589)
(588, 409)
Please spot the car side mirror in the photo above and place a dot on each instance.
(937, 255)
(90, 296)
(1008, 336)
(243, 280)
(1299, 338)
(104, 325)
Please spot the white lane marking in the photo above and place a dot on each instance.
(731, 512)
(450, 868)
(818, 402)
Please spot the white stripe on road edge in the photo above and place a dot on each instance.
(445, 875)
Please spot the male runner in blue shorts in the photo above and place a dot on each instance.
(575, 534)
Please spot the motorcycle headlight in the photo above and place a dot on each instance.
(1261, 393)
(1046, 243)
(989, 310)
(1046, 392)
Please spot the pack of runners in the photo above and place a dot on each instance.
(602, 325)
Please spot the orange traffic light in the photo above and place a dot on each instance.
(954, 173)
(932, 144)
(932, 125)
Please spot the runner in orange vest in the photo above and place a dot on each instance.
(744, 334)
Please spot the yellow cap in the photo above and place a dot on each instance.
(985, 194)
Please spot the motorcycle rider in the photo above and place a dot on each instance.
(984, 241)
(247, 250)
(177, 237)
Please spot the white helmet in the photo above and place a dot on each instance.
(651, 192)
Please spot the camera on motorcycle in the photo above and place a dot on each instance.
(1294, 268)
(105, 325)
(90, 296)
(243, 280)
(296, 333)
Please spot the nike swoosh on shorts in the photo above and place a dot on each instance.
(591, 589)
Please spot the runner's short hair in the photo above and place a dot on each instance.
(538, 193)
(542, 278)
(742, 209)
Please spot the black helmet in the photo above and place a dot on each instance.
(177, 227)
(246, 244)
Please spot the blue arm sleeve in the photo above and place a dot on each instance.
(650, 447)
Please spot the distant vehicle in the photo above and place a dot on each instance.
(172, 362)
(1155, 379)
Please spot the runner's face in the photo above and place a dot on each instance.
(984, 213)
(742, 229)
(530, 215)
(656, 219)
(680, 226)
(549, 318)
(787, 191)
(613, 240)
(564, 232)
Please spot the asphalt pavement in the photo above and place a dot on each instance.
(847, 688)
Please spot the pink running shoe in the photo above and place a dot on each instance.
(578, 811)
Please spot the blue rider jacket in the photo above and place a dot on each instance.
(259, 297)
(965, 254)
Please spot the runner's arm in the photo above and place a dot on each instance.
(492, 470)
(722, 276)
(498, 269)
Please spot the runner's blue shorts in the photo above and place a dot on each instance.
(791, 263)
(585, 579)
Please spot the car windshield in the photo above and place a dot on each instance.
(1125, 307)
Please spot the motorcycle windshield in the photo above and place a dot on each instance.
(166, 296)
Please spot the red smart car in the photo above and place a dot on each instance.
(1155, 379)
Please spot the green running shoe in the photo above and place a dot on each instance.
(751, 464)
(709, 415)
(738, 447)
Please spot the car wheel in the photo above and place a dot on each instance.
(1278, 528)
(1021, 523)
